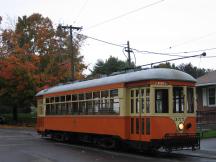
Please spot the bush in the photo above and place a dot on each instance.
(23, 118)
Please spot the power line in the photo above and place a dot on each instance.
(99, 40)
(124, 14)
(151, 52)
(194, 51)
(210, 57)
(81, 10)
(157, 53)
(175, 53)
(134, 58)
(118, 45)
(191, 40)
(203, 54)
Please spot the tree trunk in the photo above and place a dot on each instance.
(15, 114)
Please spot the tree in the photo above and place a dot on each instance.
(107, 67)
(187, 68)
(17, 83)
(36, 35)
(33, 56)
(193, 70)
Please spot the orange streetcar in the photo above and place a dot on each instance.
(146, 110)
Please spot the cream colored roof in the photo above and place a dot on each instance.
(149, 74)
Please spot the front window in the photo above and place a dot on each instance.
(178, 100)
(161, 101)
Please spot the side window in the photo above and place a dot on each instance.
(114, 101)
(82, 107)
(62, 99)
(178, 100)
(137, 101)
(96, 101)
(89, 103)
(69, 107)
(47, 100)
(52, 100)
(147, 100)
(68, 98)
(75, 107)
(142, 100)
(56, 99)
(48, 109)
(161, 101)
(190, 100)
(99, 102)
(105, 102)
(132, 101)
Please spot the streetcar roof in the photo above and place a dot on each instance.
(149, 74)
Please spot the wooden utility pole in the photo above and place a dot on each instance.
(128, 50)
(71, 28)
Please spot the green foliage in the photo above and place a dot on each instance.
(107, 67)
(24, 118)
(113, 64)
(188, 68)
(193, 70)
(33, 56)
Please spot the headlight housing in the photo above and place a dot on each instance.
(181, 126)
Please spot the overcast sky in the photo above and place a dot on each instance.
(164, 26)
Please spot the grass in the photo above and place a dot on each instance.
(208, 134)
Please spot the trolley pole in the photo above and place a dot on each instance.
(128, 50)
(71, 28)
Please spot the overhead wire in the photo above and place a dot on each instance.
(118, 45)
(203, 54)
(124, 14)
(157, 53)
(134, 58)
(151, 52)
(123, 51)
(191, 40)
(210, 57)
(81, 10)
(99, 40)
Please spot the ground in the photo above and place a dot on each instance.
(25, 145)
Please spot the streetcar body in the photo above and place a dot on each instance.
(146, 109)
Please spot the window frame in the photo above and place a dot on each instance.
(180, 98)
(208, 98)
(99, 102)
(161, 99)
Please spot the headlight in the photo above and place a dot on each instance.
(181, 126)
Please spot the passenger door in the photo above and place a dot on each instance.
(139, 110)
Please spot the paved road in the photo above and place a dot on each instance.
(24, 145)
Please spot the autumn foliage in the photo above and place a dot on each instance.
(33, 56)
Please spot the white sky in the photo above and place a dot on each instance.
(184, 25)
